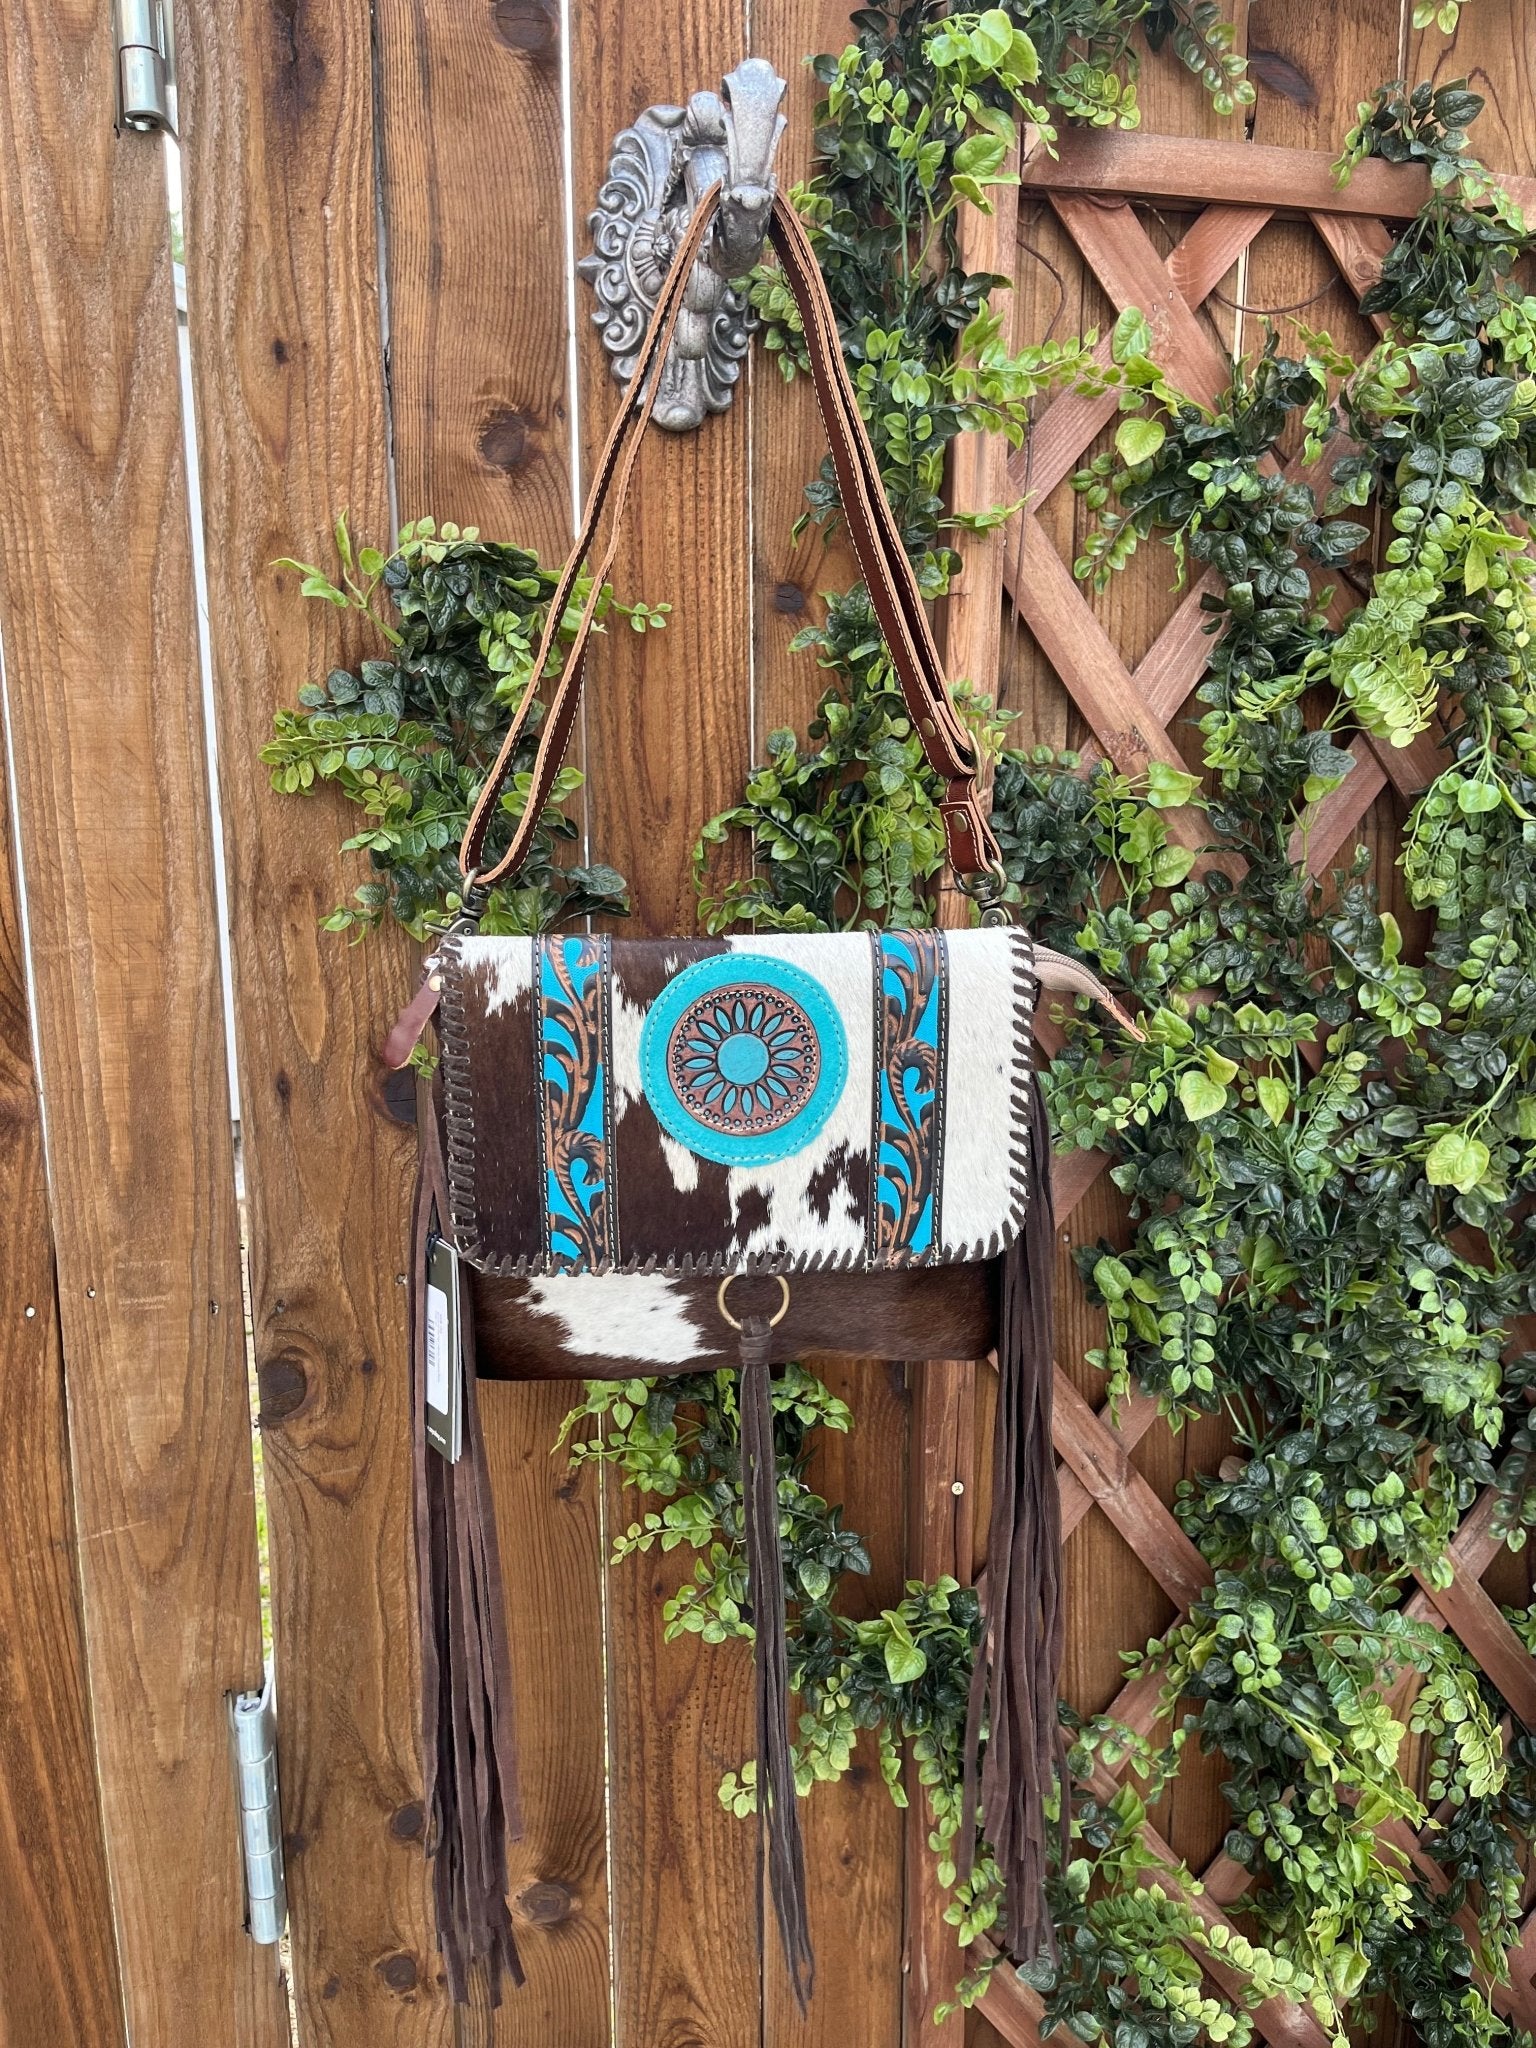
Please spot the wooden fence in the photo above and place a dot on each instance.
(375, 214)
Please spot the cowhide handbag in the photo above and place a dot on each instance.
(654, 1156)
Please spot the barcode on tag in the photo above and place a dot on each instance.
(444, 1363)
(437, 1350)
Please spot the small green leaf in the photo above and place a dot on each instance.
(1132, 335)
(980, 155)
(1138, 439)
(1168, 788)
(1112, 1277)
(904, 1661)
(992, 37)
(1476, 796)
(969, 189)
(1274, 1097)
(1456, 1160)
(1200, 1095)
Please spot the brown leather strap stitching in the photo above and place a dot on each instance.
(872, 530)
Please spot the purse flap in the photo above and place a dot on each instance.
(757, 1104)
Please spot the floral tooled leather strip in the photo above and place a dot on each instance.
(911, 1018)
(573, 1084)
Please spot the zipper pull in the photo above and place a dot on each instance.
(405, 1033)
(1060, 975)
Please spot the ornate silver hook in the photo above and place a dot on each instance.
(656, 172)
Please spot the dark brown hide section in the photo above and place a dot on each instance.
(918, 1312)
(839, 1171)
(500, 1054)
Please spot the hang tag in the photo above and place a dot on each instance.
(445, 1355)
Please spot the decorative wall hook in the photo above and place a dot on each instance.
(656, 172)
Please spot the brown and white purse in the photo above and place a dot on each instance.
(655, 1156)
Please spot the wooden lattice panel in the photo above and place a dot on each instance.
(1238, 189)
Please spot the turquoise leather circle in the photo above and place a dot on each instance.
(743, 1058)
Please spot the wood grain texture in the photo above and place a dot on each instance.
(1193, 171)
(106, 724)
(948, 1466)
(474, 223)
(790, 575)
(552, 1559)
(667, 725)
(54, 1899)
(1493, 47)
(284, 320)
(978, 472)
(942, 1470)
(853, 1832)
(668, 742)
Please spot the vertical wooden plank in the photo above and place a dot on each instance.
(1113, 1599)
(978, 468)
(941, 1539)
(1494, 46)
(474, 220)
(55, 1903)
(943, 1469)
(1309, 68)
(474, 217)
(102, 683)
(277, 136)
(668, 744)
(853, 1831)
(789, 575)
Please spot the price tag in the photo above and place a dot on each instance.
(445, 1358)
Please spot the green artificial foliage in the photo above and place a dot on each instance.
(409, 734)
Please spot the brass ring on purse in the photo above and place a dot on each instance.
(779, 1313)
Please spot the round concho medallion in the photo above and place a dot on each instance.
(743, 1058)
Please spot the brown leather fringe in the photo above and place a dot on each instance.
(778, 1809)
(1018, 1664)
(469, 1790)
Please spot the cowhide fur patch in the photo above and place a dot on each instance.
(561, 1163)
(623, 1325)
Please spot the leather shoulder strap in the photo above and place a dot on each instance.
(871, 526)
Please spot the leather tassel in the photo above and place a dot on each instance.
(469, 1781)
(778, 1810)
(1016, 1679)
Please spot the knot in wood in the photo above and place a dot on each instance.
(546, 1902)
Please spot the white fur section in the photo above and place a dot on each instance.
(504, 968)
(627, 1020)
(985, 1103)
(844, 966)
(631, 1316)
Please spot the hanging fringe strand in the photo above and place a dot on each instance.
(469, 1791)
(1016, 1679)
(470, 1785)
(778, 1812)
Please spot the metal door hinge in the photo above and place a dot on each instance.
(146, 85)
(253, 1748)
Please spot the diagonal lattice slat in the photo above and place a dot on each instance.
(1130, 711)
